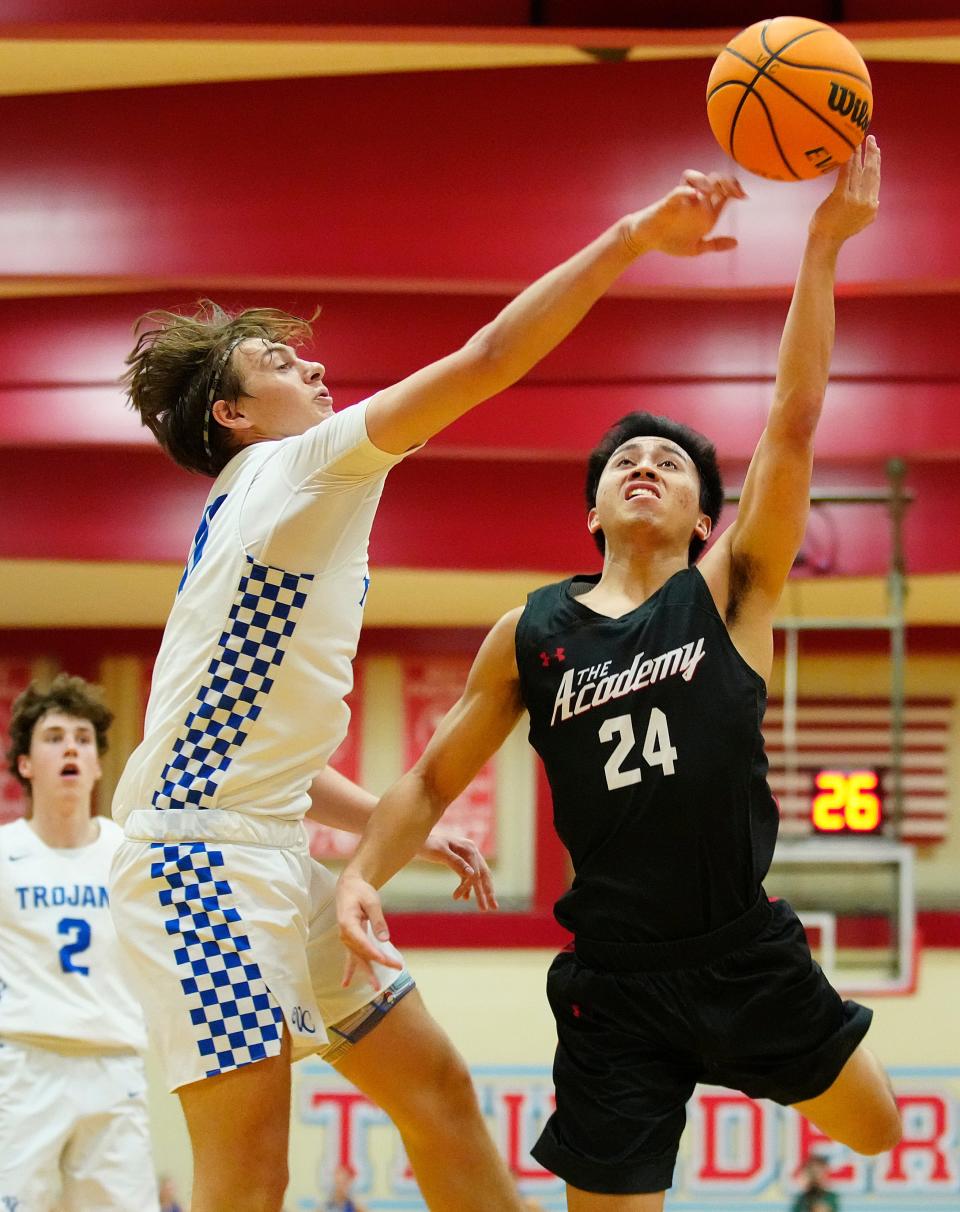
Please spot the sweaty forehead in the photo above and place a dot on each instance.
(650, 445)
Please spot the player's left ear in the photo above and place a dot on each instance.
(593, 521)
(25, 766)
(231, 414)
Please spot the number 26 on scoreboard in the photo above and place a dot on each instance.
(845, 801)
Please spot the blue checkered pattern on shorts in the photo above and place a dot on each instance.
(236, 1017)
(263, 617)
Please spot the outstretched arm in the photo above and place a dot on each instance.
(527, 329)
(748, 566)
(470, 733)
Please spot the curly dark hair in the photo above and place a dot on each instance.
(71, 695)
(178, 360)
(646, 425)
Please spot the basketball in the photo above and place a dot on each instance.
(789, 98)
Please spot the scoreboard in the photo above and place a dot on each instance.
(846, 801)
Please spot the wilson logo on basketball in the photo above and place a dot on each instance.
(845, 102)
(789, 98)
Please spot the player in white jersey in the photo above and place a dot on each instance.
(229, 923)
(73, 1114)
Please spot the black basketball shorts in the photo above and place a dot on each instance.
(638, 1027)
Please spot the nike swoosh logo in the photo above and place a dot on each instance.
(15, 858)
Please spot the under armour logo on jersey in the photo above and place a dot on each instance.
(559, 654)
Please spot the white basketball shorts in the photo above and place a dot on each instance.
(74, 1132)
(228, 929)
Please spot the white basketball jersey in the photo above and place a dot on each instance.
(247, 701)
(61, 984)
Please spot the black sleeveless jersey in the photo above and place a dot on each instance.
(649, 729)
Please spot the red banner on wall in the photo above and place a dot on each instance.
(431, 686)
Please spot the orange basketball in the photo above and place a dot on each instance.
(789, 98)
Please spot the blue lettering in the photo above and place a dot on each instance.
(88, 896)
(80, 929)
(303, 1020)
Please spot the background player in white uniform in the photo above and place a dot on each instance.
(72, 1085)
(229, 924)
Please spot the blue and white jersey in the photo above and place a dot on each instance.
(61, 983)
(247, 701)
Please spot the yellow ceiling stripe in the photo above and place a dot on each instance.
(74, 593)
(57, 65)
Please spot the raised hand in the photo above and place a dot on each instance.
(680, 223)
(854, 200)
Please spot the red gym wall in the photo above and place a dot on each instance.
(411, 204)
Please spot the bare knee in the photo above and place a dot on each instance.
(451, 1084)
(877, 1133)
(456, 1072)
(886, 1136)
(268, 1180)
(258, 1185)
(266, 1195)
(444, 1098)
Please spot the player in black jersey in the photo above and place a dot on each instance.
(646, 687)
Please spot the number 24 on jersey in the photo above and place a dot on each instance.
(657, 749)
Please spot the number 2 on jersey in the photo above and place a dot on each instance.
(80, 928)
(657, 750)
